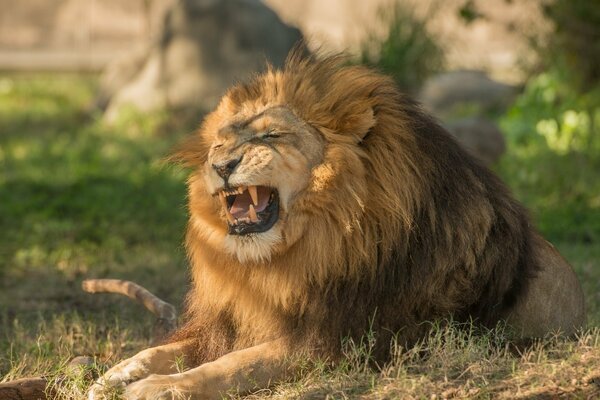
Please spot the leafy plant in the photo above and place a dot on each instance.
(407, 51)
(552, 111)
(553, 158)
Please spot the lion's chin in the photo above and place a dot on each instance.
(254, 247)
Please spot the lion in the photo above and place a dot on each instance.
(325, 204)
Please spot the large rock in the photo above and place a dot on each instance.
(443, 93)
(480, 137)
(204, 47)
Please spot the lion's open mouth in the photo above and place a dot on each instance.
(250, 209)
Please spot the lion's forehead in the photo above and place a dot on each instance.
(260, 117)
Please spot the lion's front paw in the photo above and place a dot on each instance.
(112, 383)
(157, 387)
(102, 391)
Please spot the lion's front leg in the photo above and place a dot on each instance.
(155, 360)
(240, 371)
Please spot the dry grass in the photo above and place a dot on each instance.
(454, 363)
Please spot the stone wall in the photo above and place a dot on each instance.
(88, 33)
(74, 34)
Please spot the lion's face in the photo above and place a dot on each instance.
(259, 161)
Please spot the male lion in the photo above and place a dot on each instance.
(324, 204)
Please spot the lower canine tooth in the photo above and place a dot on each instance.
(252, 213)
(224, 205)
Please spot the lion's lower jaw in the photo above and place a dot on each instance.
(254, 247)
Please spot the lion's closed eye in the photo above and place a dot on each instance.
(270, 135)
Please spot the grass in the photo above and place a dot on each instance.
(80, 199)
(454, 363)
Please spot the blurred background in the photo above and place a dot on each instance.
(94, 94)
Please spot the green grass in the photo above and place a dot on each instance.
(81, 199)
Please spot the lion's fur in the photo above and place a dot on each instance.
(397, 224)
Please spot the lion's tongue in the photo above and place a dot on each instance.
(242, 202)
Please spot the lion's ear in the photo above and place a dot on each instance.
(359, 123)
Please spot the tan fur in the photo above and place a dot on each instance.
(385, 223)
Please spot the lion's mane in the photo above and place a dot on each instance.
(404, 225)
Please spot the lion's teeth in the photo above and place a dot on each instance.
(224, 205)
(253, 194)
(252, 212)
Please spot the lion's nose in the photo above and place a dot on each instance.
(224, 169)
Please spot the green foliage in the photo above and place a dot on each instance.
(554, 159)
(551, 111)
(575, 43)
(407, 51)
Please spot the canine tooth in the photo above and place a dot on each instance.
(252, 212)
(223, 201)
(253, 194)
(224, 205)
(229, 217)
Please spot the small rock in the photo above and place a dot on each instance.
(481, 137)
(81, 361)
(82, 366)
(444, 92)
